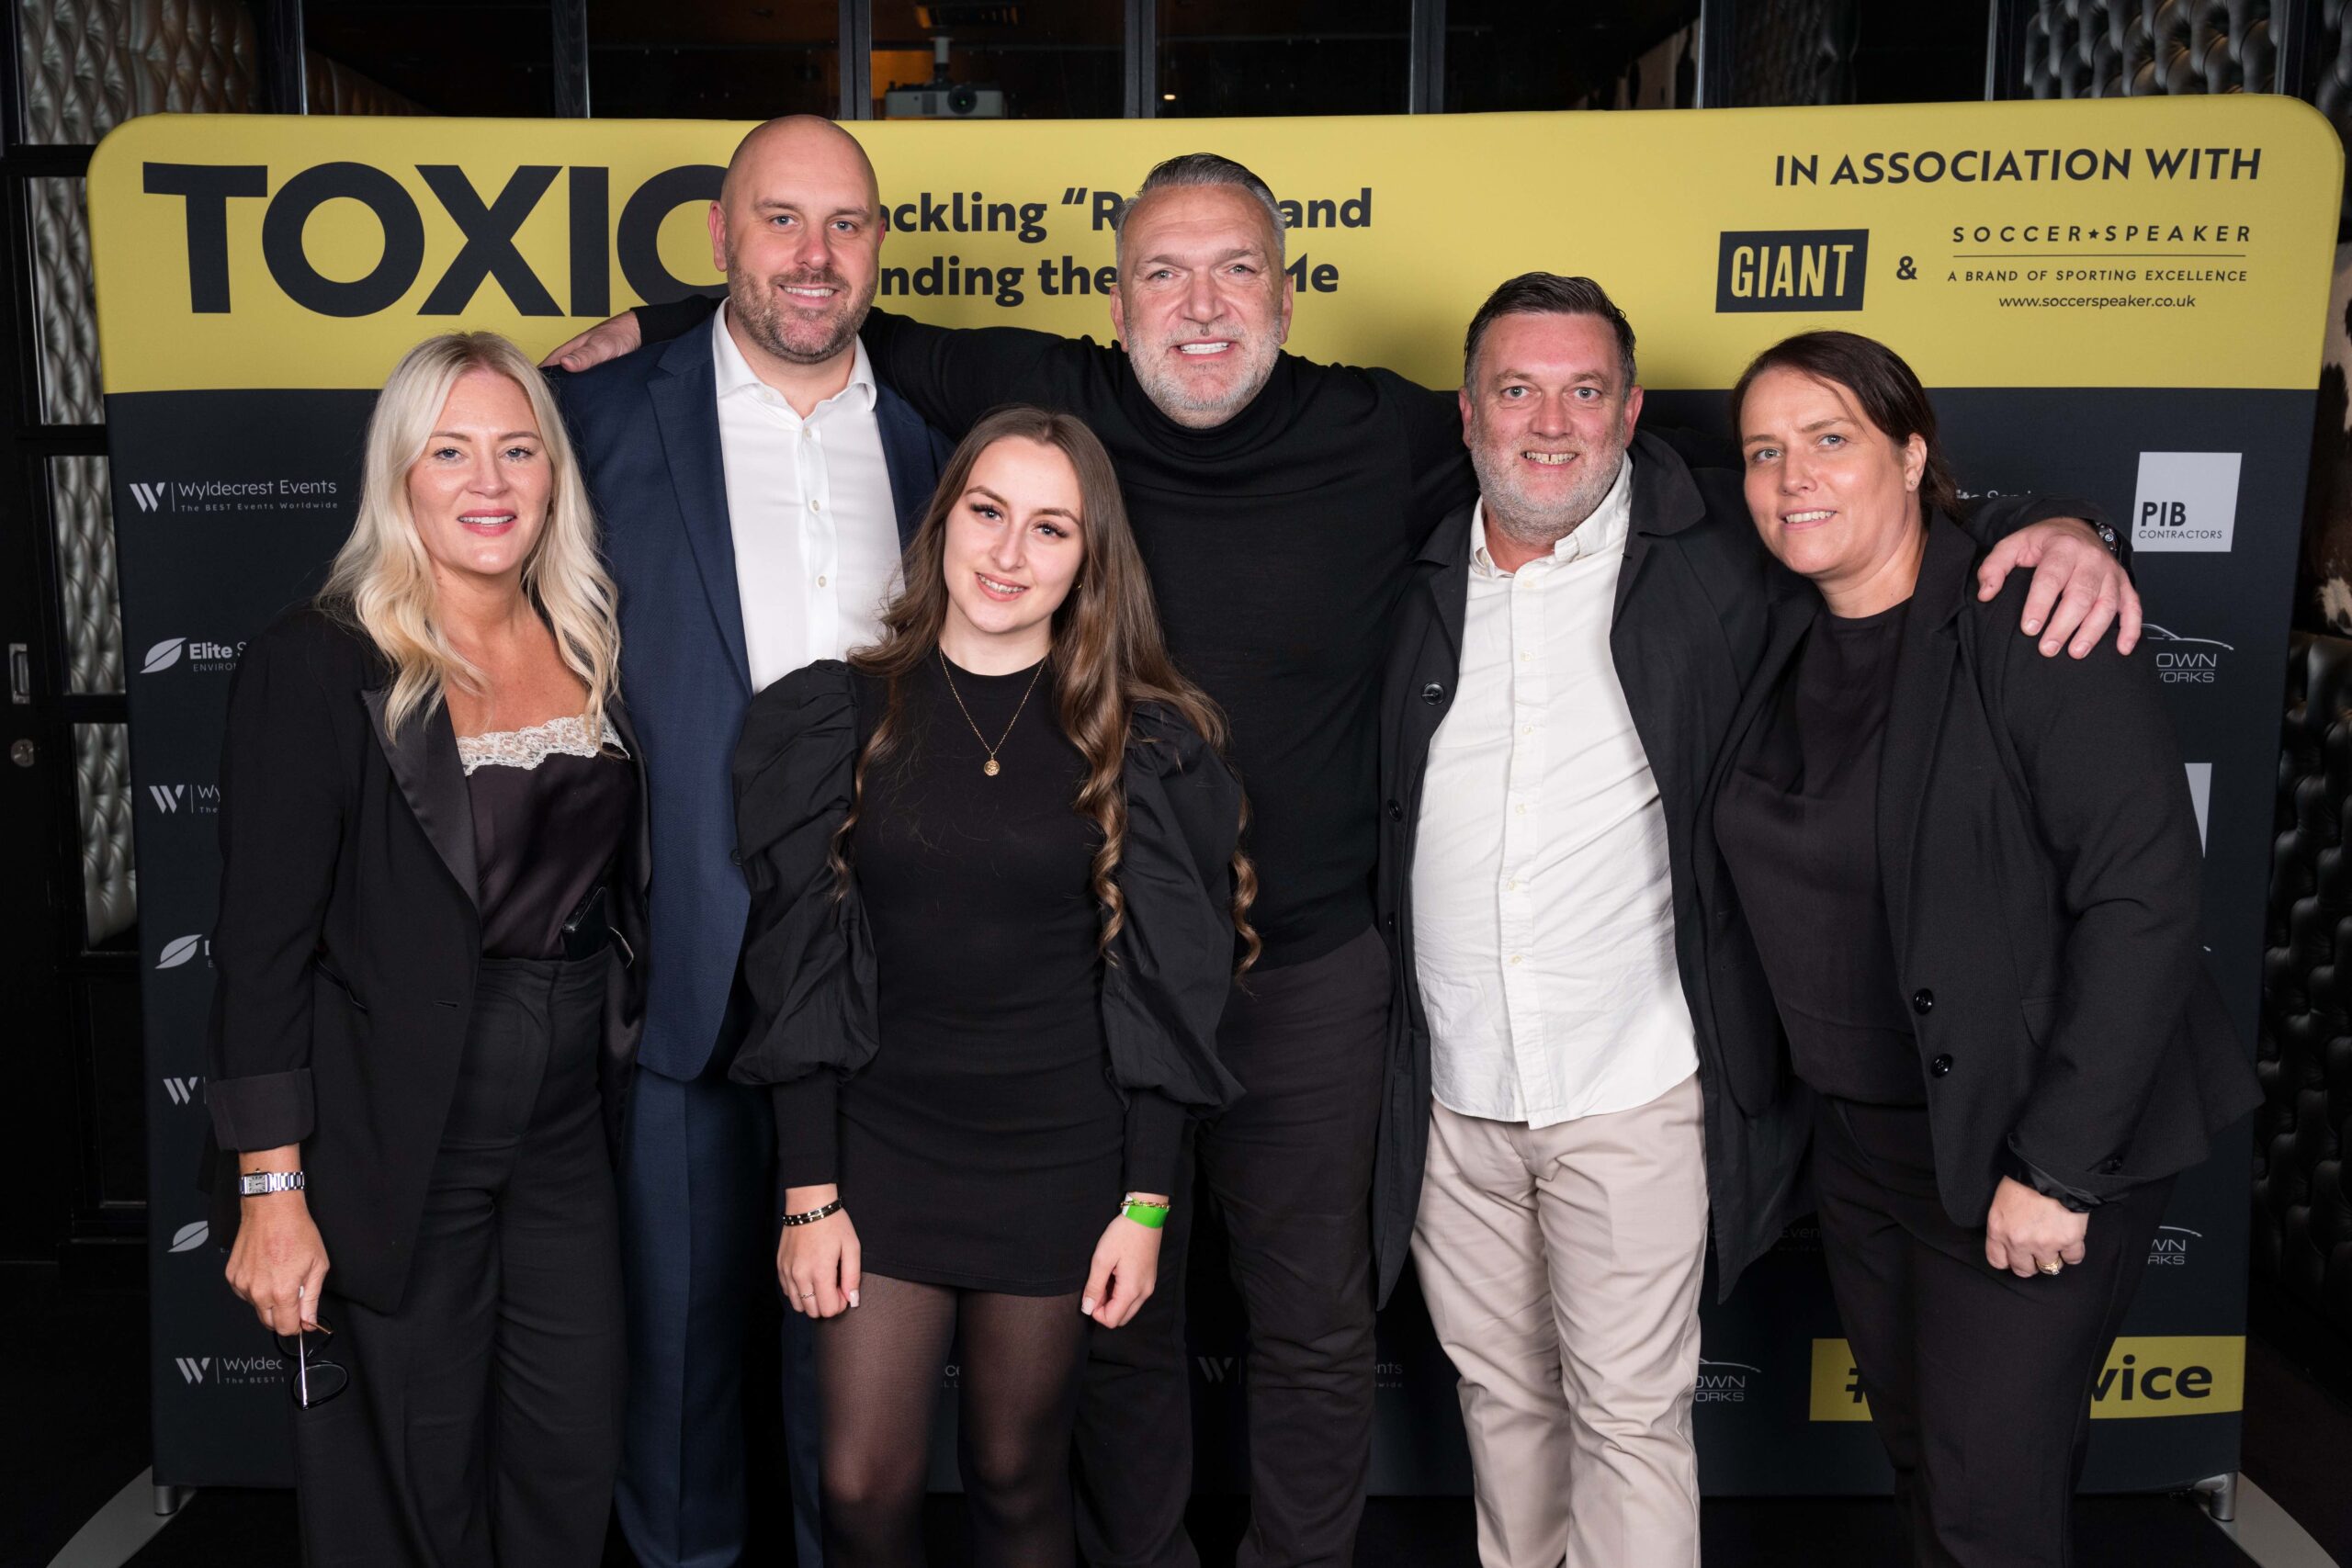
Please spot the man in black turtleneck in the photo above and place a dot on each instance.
(1279, 503)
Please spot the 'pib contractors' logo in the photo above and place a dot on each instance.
(2188, 500)
(2183, 660)
(191, 653)
(1791, 269)
(2146, 1376)
(158, 497)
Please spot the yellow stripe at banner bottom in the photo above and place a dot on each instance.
(2150, 1375)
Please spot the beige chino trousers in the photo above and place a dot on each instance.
(1561, 1270)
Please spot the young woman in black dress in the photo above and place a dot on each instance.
(997, 902)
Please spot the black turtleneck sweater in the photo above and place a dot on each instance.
(1277, 544)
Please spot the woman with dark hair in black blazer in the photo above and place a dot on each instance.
(996, 902)
(431, 881)
(1972, 876)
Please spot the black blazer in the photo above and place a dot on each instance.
(808, 957)
(1689, 633)
(2043, 879)
(346, 949)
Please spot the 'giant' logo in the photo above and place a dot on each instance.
(1792, 269)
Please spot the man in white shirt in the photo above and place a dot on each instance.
(755, 484)
(1563, 675)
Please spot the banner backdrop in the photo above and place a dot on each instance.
(2114, 300)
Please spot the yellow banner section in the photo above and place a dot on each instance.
(2148, 1376)
(2136, 242)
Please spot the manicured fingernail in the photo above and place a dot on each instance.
(852, 1298)
(1086, 1306)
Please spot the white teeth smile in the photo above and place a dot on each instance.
(810, 293)
(993, 586)
(1550, 460)
(486, 519)
(1200, 348)
(1807, 516)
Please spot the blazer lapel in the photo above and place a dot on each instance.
(423, 761)
(1915, 715)
(1790, 614)
(685, 393)
(638, 864)
(907, 456)
(1445, 562)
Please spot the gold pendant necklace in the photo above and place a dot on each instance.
(989, 768)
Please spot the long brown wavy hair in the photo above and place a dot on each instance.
(1108, 654)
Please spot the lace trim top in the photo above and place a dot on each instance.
(528, 748)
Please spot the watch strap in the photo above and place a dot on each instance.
(260, 1183)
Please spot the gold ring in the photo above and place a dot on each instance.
(2052, 1267)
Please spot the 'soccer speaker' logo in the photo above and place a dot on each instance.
(1792, 269)
(2188, 500)
(182, 949)
(190, 1237)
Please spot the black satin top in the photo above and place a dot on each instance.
(544, 837)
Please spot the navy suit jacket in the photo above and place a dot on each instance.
(647, 430)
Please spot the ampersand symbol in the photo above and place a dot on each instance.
(1906, 270)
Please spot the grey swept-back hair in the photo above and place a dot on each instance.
(1196, 169)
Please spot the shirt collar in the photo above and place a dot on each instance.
(737, 378)
(1602, 533)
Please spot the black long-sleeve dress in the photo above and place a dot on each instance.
(983, 1135)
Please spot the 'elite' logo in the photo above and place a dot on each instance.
(1791, 269)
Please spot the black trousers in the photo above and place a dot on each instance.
(1979, 1381)
(482, 1421)
(1289, 1170)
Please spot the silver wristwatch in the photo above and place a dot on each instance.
(256, 1183)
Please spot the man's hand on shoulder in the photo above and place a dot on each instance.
(2079, 590)
(608, 339)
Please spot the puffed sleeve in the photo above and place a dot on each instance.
(1172, 958)
(808, 957)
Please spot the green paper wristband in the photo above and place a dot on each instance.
(1150, 1217)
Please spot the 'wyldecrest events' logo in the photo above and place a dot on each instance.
(244, 496)
(184, 1091)
(189, 800)
(2186, 501)
(230, 1372)
(1791, 269)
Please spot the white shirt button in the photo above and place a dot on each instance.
(820, 582)
(815, 505)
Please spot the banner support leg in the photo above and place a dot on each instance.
(169, 1500)
(2220, 1496)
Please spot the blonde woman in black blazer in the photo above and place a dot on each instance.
(1970, 877)
(423, 1015)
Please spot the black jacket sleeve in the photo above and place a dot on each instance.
(281, 828)
(659, 324)
(2101, 769)
(808, 957)
(1172, 959)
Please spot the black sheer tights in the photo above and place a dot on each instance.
(878, 1373)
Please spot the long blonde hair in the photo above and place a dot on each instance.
(1107, 656)
(382, 580)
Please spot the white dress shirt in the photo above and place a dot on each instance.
(808, 502)
(1542, 912)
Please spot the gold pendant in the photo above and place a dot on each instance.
(989, 767)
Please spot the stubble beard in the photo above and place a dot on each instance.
(1541, 522)
(796, 340)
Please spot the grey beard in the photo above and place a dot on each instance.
(1168, 394)
(1531, 522)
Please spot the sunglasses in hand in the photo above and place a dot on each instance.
(316, 1379)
